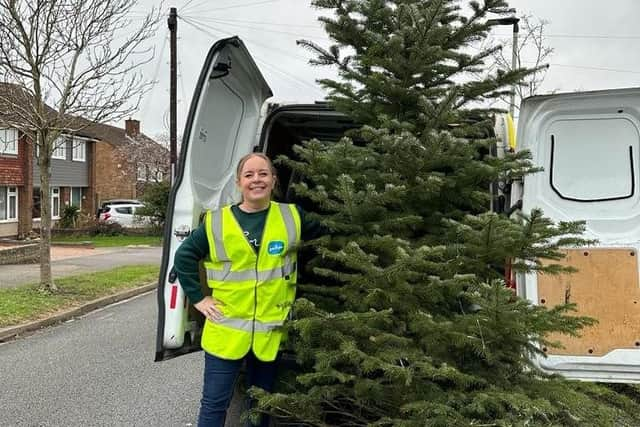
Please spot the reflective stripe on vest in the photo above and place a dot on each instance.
(256, 290)
(239, 276)
(248, 325)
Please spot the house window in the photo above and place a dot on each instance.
(142, 172)
(55, 202)
(79, 150)
(59, 148)
(8, 141)
(8, 203)
(76, 197)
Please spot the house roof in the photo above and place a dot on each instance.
(15, 105)
(139, 148)
(113, 135)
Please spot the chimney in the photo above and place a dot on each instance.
(132, 127)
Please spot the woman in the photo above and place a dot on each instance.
(250, 257)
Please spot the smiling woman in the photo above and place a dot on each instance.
(250, 252)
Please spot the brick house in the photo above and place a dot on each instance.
(126, 161)
(101, 162)
(98, 163)
(88, 166)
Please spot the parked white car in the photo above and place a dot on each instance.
(123, 214)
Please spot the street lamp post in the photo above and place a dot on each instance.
(511, 20)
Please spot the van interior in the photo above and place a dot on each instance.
(288, 126)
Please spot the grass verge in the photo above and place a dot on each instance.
(26, 303)
(111, 241)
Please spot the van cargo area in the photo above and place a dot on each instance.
(291, 125)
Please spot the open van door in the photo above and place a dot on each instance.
(589, 146)
(221, 127)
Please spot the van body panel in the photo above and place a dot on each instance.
(221, 127)
(588, 144)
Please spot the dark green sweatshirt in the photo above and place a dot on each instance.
(196, 247)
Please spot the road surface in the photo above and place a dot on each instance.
(98, 370)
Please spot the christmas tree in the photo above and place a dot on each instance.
(403, 317)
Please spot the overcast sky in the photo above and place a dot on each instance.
(594, 42)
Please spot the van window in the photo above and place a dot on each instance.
(593, 160)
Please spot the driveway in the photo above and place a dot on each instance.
(67, 261)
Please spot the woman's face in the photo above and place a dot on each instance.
(256, 181)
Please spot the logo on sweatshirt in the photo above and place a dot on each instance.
(275, 247)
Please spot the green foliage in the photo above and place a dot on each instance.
(403, 318)
(155, 199)
(103, 228)
(70, 215)
(28, 302)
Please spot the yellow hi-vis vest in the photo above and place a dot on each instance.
(256, 290)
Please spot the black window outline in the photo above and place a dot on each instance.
(607, 199)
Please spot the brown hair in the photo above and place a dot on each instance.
(246, 157)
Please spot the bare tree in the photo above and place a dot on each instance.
(532, 52)
(164, 139)
(66, 64)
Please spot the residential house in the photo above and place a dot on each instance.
(126, 161)
(98, 163)
(101, 162)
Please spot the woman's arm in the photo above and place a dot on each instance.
(311, 229)
(187, 263)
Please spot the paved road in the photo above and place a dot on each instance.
(98, 370)
(91, 261)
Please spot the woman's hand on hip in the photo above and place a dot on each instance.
(209, 307)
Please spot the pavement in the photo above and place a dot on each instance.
(66, 261)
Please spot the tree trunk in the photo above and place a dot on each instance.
(25, 193)
(46, 279)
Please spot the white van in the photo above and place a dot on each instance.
(229, 117)
(587, 143)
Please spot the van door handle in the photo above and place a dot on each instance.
(173, 275)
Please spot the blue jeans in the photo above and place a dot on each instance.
(220, 377)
